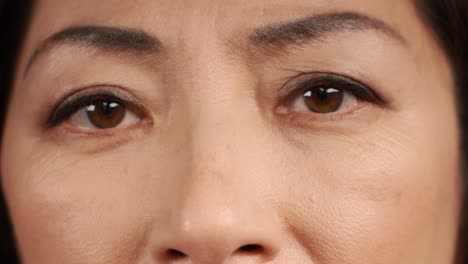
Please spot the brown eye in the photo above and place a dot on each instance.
(323, 100)
(324, 94)
(105, 114)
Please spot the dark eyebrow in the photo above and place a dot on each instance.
(103, 38)
(317, 27)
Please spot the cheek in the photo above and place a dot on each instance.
(88, 209)
(352, 200)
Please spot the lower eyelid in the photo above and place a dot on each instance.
(302, 116)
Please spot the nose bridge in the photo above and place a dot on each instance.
(216, 214)
(218, 137)
(217, 108)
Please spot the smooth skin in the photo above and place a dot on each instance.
(211, 165)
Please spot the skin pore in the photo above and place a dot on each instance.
(214, 148)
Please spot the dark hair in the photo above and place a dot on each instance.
(447, 18)
(449, 21)
(14, 17)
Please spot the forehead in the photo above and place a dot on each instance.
(233, 6)
(196, 23)
(182, 17)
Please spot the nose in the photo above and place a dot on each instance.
(213, 225)
(217, 216)
(219, 213)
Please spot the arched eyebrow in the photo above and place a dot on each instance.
(285, 35)
(279, 36)
(104, 38)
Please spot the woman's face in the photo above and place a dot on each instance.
(205, 131)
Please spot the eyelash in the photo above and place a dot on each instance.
(74, 103)
(291, 92)
(288, 94)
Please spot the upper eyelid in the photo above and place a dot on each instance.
(86, 94)
(111, 90)
(298, 83)
(123, 95)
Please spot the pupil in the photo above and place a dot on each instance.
(321, 94)
(108, 108)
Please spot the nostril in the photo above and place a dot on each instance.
(251, 248)
(175, 254)
(255, 253)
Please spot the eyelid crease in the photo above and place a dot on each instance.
(83, 97)
(305, 80)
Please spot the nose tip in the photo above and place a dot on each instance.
(224, 236)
